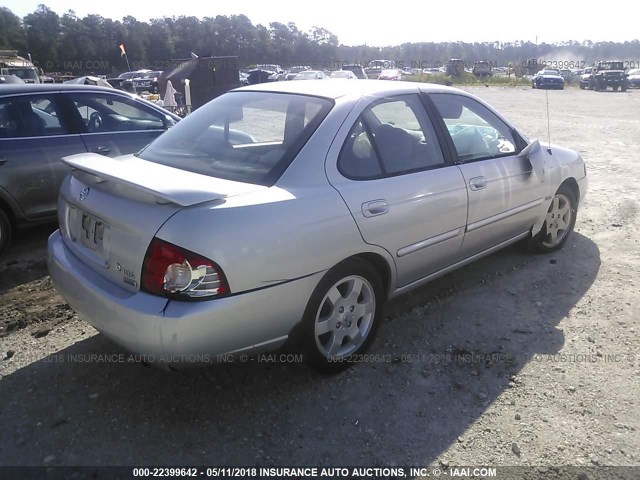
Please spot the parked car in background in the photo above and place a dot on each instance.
(607, 74)
(482, 68)
(40, 124)
(147, 82)
(134, 74)
(293, 71)
(566, 74)
(634, 78)
(270, 66)
(585, 78)
(311, 75)
(375, 67)
(357, 70)
(548, 78)
(277, 73)
(456, 67)
(391, 74)
(11, 79)
(293, 211)
(346, 74)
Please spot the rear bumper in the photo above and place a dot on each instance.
(177, 333)
(551, 85)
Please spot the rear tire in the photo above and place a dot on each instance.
(6, 231)
(342, 316)
(559, 223)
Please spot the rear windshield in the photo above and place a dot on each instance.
(244, 136)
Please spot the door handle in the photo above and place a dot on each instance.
(375, 208)
(102, 150)
(478, 183)
(3, 160)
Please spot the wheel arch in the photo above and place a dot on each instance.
(381, 265)
(573, 185)
(8, 211)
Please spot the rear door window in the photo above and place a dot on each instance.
(30, 116)
(394, 136)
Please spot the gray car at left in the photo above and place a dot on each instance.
(40, 124)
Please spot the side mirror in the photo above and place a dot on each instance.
(168, 122)
(533, 154)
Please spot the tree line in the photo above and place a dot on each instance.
(69, 43)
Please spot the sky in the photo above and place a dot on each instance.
(390, 22)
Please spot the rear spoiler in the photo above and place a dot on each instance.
(166, 183)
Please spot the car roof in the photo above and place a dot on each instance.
(51, 87)
(19, 89)
(338, 89)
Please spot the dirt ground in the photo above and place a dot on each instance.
(518, 359)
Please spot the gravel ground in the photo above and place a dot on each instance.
(518, 359)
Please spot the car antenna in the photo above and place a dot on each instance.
(546, 91)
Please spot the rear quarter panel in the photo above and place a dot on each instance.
(269, 237)
(298, 227)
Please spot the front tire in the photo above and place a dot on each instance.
(559, 223)
(6, 232)
(342, 316)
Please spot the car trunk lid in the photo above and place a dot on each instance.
(111, 208)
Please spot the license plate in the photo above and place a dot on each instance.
(91, 233)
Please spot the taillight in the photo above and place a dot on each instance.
(171, 271)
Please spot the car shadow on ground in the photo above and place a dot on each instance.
(446, 353)
(25, 260)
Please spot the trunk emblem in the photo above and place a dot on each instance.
(84, 193)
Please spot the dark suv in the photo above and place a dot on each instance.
(40, 124)
(608, 74)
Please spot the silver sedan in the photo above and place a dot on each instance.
(294, 210)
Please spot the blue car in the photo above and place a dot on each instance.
(548, 78)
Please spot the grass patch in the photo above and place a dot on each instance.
(468, 79)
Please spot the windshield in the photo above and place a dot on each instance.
(243, 136)
(29, 75)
